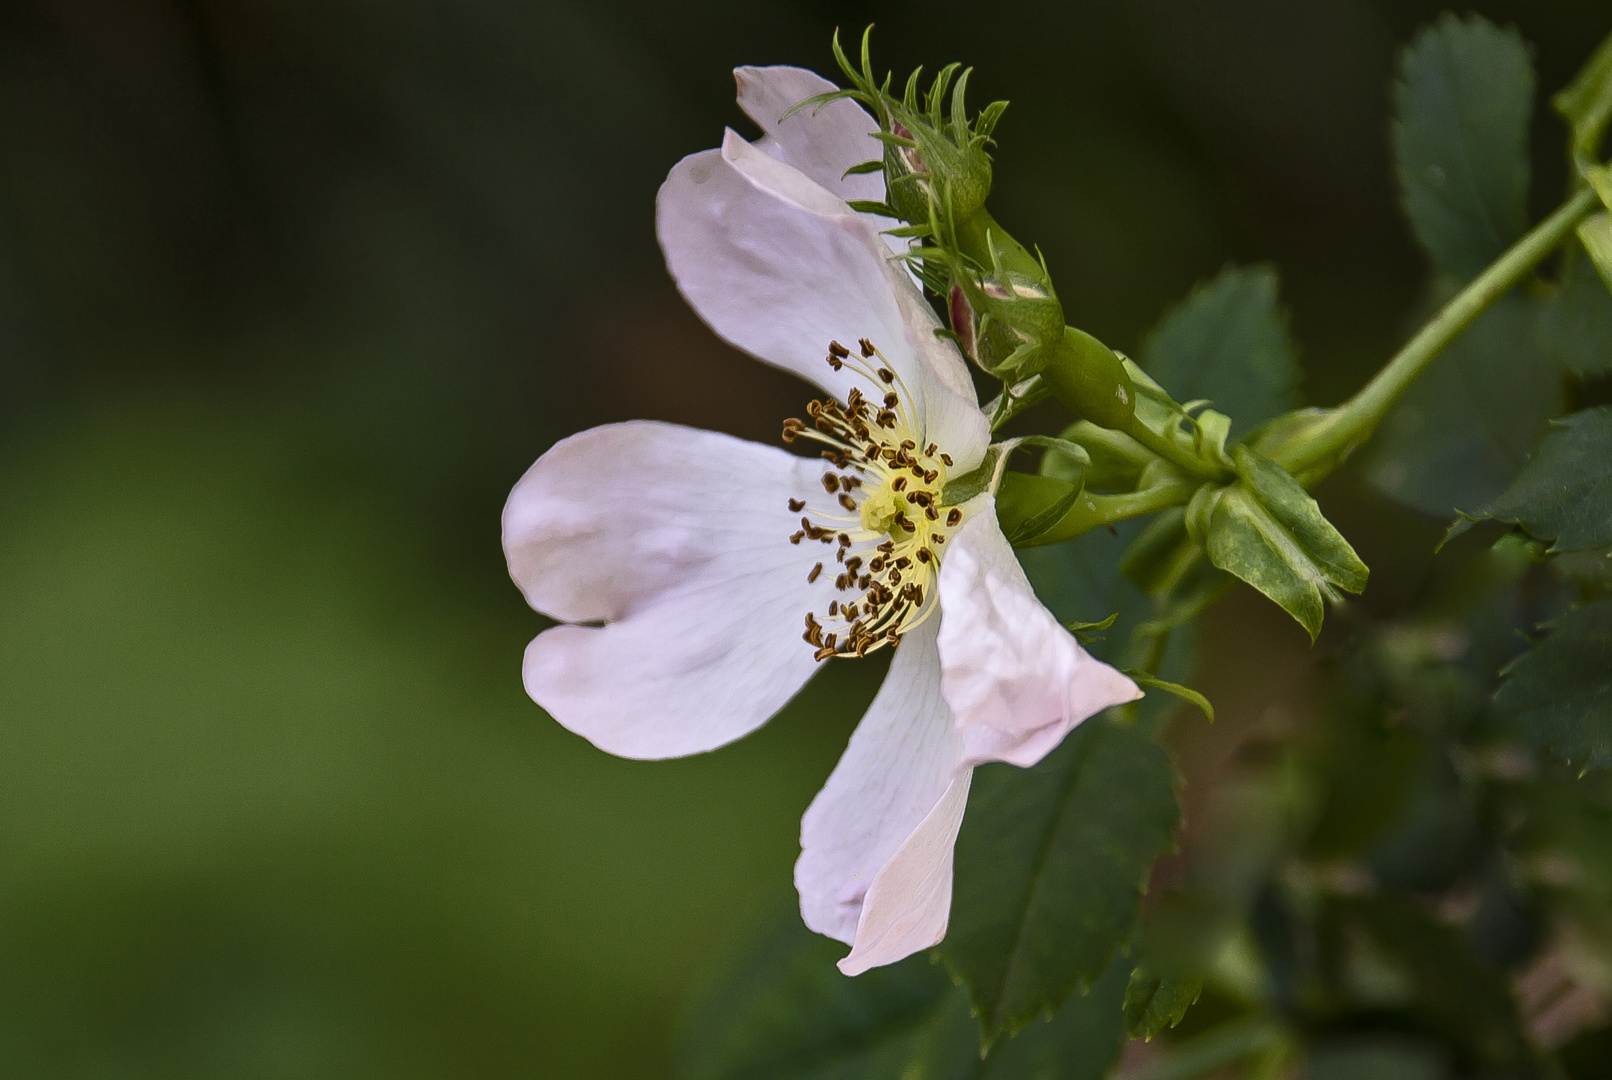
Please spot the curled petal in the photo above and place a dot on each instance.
(822, 142)
(780, 266)
(1016, 680)
(875, 863)
(677, 541)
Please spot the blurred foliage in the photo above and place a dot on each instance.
(290, 294)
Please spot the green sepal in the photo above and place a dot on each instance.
(1153, 1005)
(960, 489)
(1586, 102)
(1090, 630)
(872, 166)
(1185, 693)
(1031, 522)
(1267, 531)
(1300, 514)
(870, 206)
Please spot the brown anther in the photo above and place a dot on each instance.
(867, 347)
(954, 517)
(899, 484)
(895, 576)
(845, 541)
(824, 653)
(831, 483)
(923, 555)
(905, 522)
(834, 362)
(836, 349)
(842, 582)
(903, 562)
(891, 400)
(931, 513)
(937, 538)
(839, 555)
(854, 563)
(946, 460)
(887, 375)
(797, 505)
(908, 444)
(867, 580)
(887, 547)
(796, 538)
(931, 476)
(830, 641)
(877, 565)
(885, 419)
(847, 502)
(792, 430)
(849, 482)
(815, 574)
(929, 451)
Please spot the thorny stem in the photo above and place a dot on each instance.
(1317, 450)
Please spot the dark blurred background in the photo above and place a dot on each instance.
(291, 292)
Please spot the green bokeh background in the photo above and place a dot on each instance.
(290, 294)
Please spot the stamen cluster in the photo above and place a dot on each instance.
(888, 481)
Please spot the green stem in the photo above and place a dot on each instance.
(1173, 452)
(1324, 444)
(1093, 511)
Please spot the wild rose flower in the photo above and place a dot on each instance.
(702, 579)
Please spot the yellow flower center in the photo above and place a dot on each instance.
(888, 481)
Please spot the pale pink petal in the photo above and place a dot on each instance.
(1015, 678)
(677, 541)
(779, 266)
(910, 901)
(822, 142)
(900, 763)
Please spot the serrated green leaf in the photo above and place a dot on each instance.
(1153, 1005)
(1464, 98)
(1586, 102)
(781, 1011)
(1565, 493)
(1595, 233)
(1051, 862)
(1575, 325)
(1228, 342)
(1560, 690)
(1465, 429)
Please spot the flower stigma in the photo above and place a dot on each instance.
(892, 525)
